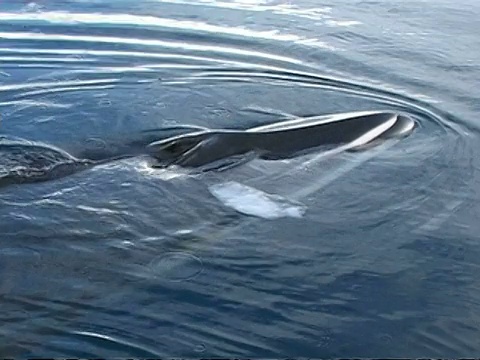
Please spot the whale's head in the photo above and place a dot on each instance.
(209, 149)
(190, 150)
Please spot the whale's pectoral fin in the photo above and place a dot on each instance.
(254, 202)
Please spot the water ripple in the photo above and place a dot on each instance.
(126, 260)
(144, 42)
(149, 21)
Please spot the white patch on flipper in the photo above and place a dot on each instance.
(250, 201)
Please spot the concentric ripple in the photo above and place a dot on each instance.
(126, 260)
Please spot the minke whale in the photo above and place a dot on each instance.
(23, 161)
(282, 140)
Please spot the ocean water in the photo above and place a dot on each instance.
(123, 260)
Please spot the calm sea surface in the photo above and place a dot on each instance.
(121, 260)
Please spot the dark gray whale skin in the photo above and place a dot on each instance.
(282, 140)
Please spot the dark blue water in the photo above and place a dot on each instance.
(123, 260)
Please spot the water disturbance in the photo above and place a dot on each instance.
(337, 254)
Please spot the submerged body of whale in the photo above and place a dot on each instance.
(282, 140)
(23, 161)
